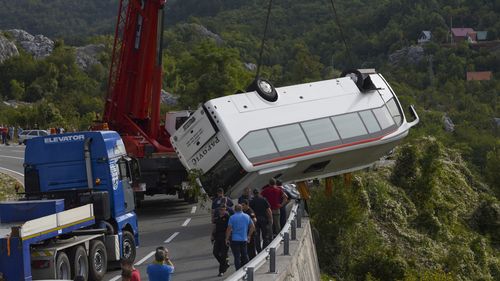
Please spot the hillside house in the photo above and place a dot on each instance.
(463, 34)
(479, 75)
(424, 37)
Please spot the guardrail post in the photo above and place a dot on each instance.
(250, 271)
(294, 230)
(300, 211)
(272, 260)
(286, 245)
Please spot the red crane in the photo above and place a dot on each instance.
(133, 99)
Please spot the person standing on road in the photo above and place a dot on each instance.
(275, 196)
(264, 216)
(283, 213)
(251, 244)
(127, 266)
(219, 200)
(162, 267)
(240, 229)
(218, 238)
(246, 195)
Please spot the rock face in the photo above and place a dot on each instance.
(412, 55)
(39, 46)
(7, 49)
(448, 124)
(88, 55)
(168, 98)
(202, 31)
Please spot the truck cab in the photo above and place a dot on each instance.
(84, 176)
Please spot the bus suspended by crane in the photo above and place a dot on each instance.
(292, 133)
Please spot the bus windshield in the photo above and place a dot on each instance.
(225, 173)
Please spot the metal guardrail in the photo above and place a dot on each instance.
(287, 233)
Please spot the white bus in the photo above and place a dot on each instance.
(292, 133)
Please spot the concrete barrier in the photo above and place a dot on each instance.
(300, 264)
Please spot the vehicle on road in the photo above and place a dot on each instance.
(26, 135)
(78, 212)
(294, 133)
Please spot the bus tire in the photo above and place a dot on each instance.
(128, 246)
(79, 262)
(358, 77)
(98, 260)
(63, 267)
(264, 88)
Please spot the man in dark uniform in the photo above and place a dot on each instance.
(264, 216)
(219, 200)
(218, 238)
(251, 245)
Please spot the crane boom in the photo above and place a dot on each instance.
(134, 86)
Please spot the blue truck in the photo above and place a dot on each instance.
(78, 211)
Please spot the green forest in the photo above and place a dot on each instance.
(440, 200)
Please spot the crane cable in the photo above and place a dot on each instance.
(341, 32)
(263, 39)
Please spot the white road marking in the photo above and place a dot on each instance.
(13, 157)
(171, 238)
(12, 171)
(193, 210)
(145, 258)
(115, 278)
(186, 222)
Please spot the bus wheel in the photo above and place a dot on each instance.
(355, 76)
(79, 262)
(98, 260)
(128, 246)
(63, 267)
(264, 88)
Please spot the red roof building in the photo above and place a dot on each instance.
(462, 34)
(479, 76)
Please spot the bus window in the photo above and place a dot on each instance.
(384, 117)
(289, 137)
(257, 143)
(349, 125)
(370, 121)
(396, 114)
(320, 131)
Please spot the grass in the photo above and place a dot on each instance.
(8, 187)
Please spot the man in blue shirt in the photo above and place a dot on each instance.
(240, 229)
(162, 267)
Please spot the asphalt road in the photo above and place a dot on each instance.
(163, 221)
(11, 161)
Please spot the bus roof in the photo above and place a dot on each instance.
(296, 103)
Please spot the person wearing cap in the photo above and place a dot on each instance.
(219, 200)
(239, 230)
(264, 217)
(162, 267)
(220, 249)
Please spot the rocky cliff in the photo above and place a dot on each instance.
(40, 47)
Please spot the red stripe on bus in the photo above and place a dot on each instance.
(319, 150)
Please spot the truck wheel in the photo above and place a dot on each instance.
(98, 260)
(128, 246)
(79, 262)
(63, 267)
